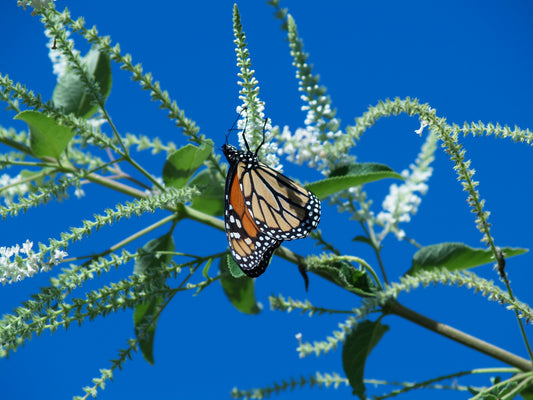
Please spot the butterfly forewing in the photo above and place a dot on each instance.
(281, 208)
(250, 247)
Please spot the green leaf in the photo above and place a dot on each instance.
(527, 393)
(500, 390)
(362, 239)
(239, 291)
(147, 313)
(357, 347)
(211, 200)
(48, 138)
(233, 267)
(72, 95)
(205, 270)
(145, 320)
(361, 169)
(181, 165)
(455, 256)
(151, 261)
(349, 176)
(357, 279)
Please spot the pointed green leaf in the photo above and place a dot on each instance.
(455, 256)
(211, 200)
(239, 291)
(147, 313)
(362, 239)
(181, 165)
(349, 176)
(72, 96)
(360, 169)
(48, 138)
(205, 270)
(233, 267)
(357, 347)
(357, 280)
(151, 261)
(145, 321)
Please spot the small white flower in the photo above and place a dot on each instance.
(423, 124)
(58, 256)
(79, 192)
(26, 247)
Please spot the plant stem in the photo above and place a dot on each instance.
(119, 187)
(138, 234)
(376, 246)
(143, 171)
(396, 308)
(519, 320)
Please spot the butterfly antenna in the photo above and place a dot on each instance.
(244, 135)
(234, 123)
(263, 141)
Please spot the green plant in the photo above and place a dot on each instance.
(68, 145)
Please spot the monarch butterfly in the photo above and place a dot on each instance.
(262, 209)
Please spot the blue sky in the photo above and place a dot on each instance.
(469, 60)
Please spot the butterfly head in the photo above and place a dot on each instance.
(231, 152)
(234, 155)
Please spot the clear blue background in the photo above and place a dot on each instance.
(469, 60)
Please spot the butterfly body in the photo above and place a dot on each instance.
(262, 209)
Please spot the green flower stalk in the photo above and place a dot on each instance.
(253, 122)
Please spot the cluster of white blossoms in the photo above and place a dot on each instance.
(305, 145)
(302, 146)
(315, 107)
(19, 262)
(309, 145)
(403, 200)
(267, 153)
